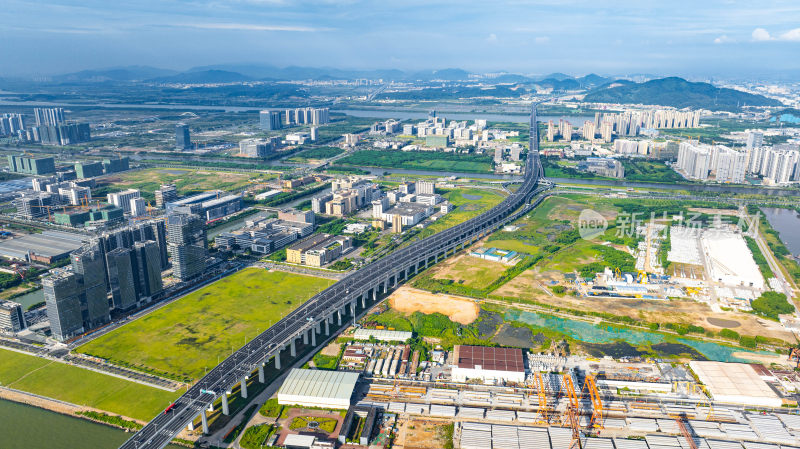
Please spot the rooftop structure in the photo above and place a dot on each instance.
(381, 334)
(737, 383)
(487, 363)
(729, 260)
(317, 388)
(46, 247)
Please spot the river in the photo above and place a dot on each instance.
(786, 222)
(26, 427)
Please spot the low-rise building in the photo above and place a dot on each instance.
(318, 250)
(488, 364)
(410, 213)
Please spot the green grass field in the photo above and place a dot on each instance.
(472, 272)
(81, 386)
(186, 180)
(184, 338)
(476, 202)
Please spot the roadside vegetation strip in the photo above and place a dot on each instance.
(80, 386)
(777, 246)
(186, 337)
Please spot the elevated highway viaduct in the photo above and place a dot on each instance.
(327, 311)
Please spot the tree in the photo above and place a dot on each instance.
(771, 304)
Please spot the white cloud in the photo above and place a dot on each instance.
(791, 35)
(722, 39)
(492, 38)
(253, 27)
(542, 40)
(761, 35)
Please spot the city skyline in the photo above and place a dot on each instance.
(535, 37)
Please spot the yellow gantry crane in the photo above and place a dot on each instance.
(590, 385)
(572, 396)
(543, 418)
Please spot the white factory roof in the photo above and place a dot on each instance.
(381, 334)
(684, 246)
(318, 388)
(737, 383)
(730, 260)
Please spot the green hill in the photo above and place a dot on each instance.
(679, 93)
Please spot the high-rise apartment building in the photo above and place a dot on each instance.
(425, 187)
(187, 245)
(48, 116)
(755, 139)
(183, 140)
(11, 317)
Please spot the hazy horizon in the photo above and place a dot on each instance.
(718, 38)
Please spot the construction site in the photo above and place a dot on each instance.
(513, 399)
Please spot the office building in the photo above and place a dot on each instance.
(318, 250)
(258, 148)
(168, 193)
(221, 207)
(48, 116)
(31, 165)
(138, 207)
(270, 120)
(12, 320)
(75, 195)
(123, 199)
(297, 216)
(89, 264)
(186, 243)
(34, 206)
(116, 165)
(183, 140)
(62, 296)
(121, 279)
(88, 169)
(148, 263)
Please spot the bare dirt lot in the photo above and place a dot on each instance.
(409, 300)
(419, 434)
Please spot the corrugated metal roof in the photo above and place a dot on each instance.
(319, 384)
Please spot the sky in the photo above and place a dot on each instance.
(715, 38)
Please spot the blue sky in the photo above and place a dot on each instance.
(698, 37)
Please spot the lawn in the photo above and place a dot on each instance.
(81, 386)
(183, 339)
(469, 203)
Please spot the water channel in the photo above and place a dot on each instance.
(787, 223)
(591, 333)
(26, 427)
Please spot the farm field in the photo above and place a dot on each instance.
(183, 339)
(81, 386)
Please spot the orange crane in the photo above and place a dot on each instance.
(543, 419)
(590, 385)
(685, 431)
(571, 395)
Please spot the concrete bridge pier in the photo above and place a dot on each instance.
(313, 337)
(305, 338)
(327, 327)
(211, 407)
(292, 350)
(375, 294)
(244, 386)
(386, 286)
(204, 419)
(339, 317)
(225, 408)
(190, 426)
(364, 300)
(277, 366)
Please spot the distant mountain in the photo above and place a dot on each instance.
(129, 73)
(592, 80)
(558, 76)
(679, 93)
(203, 76)
(269, 72)
(556, 84)
(511, 78)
